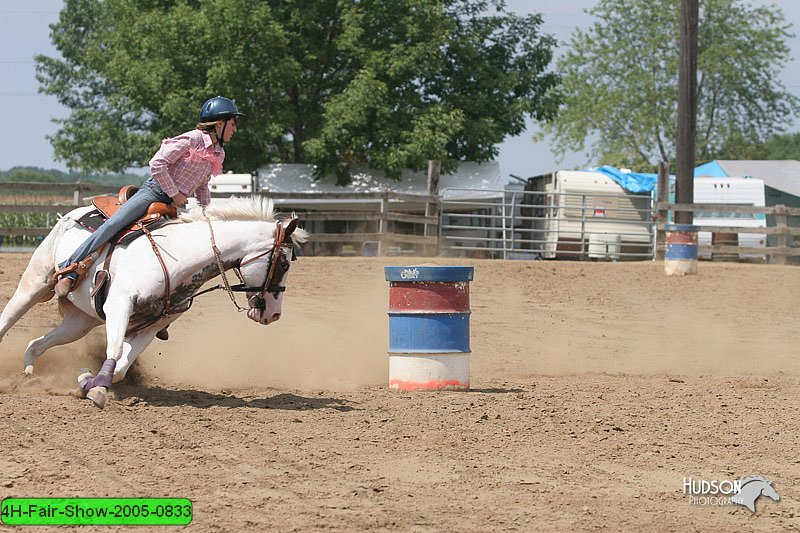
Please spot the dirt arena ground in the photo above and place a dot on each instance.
(597, 388)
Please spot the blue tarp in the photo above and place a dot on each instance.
(636, 182)
(712, 169)
(630, 181)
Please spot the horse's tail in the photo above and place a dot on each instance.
(36, 283)
(44, 257)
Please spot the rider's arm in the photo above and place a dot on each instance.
(171, 151)
(202, 193)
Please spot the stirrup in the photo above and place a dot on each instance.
(80, 268)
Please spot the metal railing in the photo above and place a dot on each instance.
(515, 224)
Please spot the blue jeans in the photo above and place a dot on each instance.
(131, 211)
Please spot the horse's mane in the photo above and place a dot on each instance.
(235, 208)
(256, 208)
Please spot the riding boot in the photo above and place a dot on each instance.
(65, 285)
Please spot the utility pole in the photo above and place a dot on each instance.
(687, 110)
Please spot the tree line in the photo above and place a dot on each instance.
(41, 175)
(394, 83)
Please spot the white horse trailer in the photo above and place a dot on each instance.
(731, 191)
(589, 215)
(230, 183)
(226, 185)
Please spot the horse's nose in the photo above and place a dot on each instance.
(270, 319)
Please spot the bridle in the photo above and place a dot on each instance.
(280, 255)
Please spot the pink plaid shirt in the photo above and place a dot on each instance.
(185, 164)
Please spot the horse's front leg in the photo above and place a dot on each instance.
(132, 348)
(95, 388)
(113, 371)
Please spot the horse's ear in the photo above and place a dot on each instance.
(290, 227)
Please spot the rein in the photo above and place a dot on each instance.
(218, 259)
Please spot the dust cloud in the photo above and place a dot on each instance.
(336, 342)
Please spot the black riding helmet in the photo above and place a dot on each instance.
(219, 108)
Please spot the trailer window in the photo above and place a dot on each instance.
(726, 214)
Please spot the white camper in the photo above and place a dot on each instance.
(732, 191)
(226, 185)
(232, 184)
(591, 215)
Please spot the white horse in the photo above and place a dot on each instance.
(147, 293)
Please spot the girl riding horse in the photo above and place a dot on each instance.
(181, 168)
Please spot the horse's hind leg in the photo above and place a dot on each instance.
(74, 326)
(34, 287)
(29, 293)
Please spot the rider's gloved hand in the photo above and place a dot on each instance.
(179, 200)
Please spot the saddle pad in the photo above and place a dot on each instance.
(93, 219)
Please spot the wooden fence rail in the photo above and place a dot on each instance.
(79, 192)
(786, 234)
(378, 207)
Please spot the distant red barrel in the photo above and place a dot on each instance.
(681, 255)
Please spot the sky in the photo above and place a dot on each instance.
(25, 32)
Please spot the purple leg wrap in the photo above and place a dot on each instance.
(103, 378)
(85, 384)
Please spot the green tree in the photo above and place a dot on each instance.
(620, 81)
(782, 146)
(390, 83)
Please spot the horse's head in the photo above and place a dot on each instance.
(260, 257)
(752, 487)
(768, 490)
(264, 275)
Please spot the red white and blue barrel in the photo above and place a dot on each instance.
(429, 327)
(681, 255)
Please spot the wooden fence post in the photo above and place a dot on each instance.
(383, 225)
(663, 214)
(432, 209)
(781, 223)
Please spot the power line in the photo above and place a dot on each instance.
(26, 12)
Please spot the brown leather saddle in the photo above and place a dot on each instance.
(107, 206)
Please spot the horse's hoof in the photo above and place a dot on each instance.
(98, 396)
(85, 377)
(28, 372)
